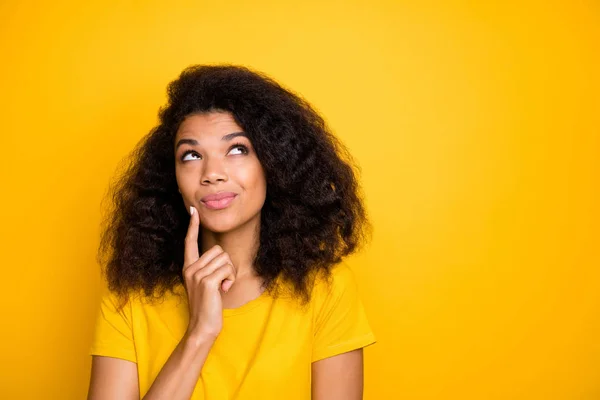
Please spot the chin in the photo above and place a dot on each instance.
(222, 224)
(221, 229)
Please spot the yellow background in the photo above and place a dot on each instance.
(476, 125)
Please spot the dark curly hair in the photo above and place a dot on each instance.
(313, 213)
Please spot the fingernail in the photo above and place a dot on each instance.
(192, 210)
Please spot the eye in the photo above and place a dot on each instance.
(243, 148)
(188, 153)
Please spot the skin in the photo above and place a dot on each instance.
(219, 274)
(218, 164)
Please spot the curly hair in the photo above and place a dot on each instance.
(313, 213)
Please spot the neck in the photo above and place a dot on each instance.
(241, 244)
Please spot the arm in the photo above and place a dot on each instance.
(178, 377)
(114, 378)
(339, 377)
(341, 332)
(204, 277)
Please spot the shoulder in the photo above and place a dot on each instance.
(340, 322)
(121, 304)
(339, 282)
(340, 276)
(113, 304)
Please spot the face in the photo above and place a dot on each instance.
(214, 157)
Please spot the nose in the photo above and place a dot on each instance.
(214, 171)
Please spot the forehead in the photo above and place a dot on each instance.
(208, 125)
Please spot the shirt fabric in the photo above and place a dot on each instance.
(265, 348)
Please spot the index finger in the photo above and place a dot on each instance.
(191, 253)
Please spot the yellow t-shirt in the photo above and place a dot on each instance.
(265, 348)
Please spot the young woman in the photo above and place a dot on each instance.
(223, 253)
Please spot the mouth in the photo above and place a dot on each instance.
(219, 202)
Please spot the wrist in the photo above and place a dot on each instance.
(200, 338)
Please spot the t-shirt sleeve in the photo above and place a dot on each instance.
(340, 323)
(113, 333)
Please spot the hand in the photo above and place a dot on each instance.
(204, 277)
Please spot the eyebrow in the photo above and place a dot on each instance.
(227, 137)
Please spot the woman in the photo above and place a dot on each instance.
(223, 254)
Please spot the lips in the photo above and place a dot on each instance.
(218, 196)
(218, 201)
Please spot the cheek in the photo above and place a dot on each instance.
(250, 176)
(184, 182)
(253, 182)
(257, 179)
